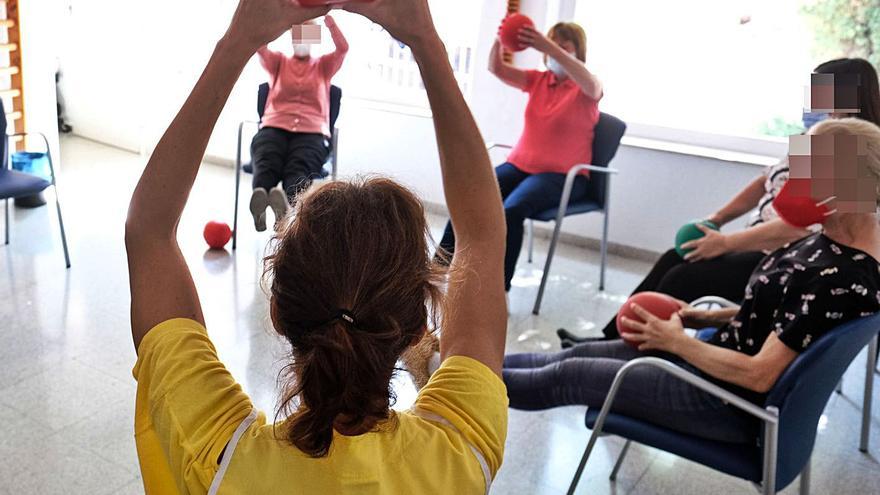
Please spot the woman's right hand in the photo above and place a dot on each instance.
(258, 22)
(407, 21)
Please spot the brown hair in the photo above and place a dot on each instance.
(352, 286)
(573, 33)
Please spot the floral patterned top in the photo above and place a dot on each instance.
(801, 291)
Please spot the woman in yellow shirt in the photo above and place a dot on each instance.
(352, 287)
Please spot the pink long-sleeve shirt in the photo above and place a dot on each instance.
(299, 91)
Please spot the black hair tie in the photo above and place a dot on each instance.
(341, 314)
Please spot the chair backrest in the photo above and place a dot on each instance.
(607, 134)
(803, 390)
(335, 102)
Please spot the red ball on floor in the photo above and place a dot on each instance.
(217, 234)
(660, 305)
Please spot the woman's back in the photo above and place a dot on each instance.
(189, 406)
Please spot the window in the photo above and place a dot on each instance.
(736, 69)
(381, 69)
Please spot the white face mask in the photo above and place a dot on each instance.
(555, 67)
(302, 51)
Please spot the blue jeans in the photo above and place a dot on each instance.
(524, 195)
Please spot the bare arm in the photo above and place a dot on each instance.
(767, 236)
(757, 373)
(161, 284)
(475, 321)
(742, 203)
(507, 73)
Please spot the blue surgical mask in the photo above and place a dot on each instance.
(812, 118)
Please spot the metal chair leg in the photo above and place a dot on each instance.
(867, 402)
(604, 248)
(531, 229)
(237, 181)
(771, 431)
(61, 227)
(619, 462)
(550, 252)
(6, 208)
(839, 388)
(580, 470)
(805, 478)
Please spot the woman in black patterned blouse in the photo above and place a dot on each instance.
(795, 296)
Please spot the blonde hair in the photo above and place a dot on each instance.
(856, 127)
(573, 33)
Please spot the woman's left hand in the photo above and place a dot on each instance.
(655, 334)
(532, 37)
(712, 245)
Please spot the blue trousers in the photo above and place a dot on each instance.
(524, 195)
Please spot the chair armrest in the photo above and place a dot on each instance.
(688, 377)
(714, 301)
(491, 146)
(592, 168)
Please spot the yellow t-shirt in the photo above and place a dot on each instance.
(188, 406)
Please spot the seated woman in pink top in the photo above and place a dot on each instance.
(562, 111)
(292, 144)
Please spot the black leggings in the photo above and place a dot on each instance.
(292, 158)
(583, 375)
(725, 276)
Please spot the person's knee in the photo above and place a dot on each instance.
(678, 278)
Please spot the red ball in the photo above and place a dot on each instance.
(659, 305)
(510, 27)
(217, 234)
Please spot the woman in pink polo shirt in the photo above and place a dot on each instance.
(292, 144)
(562, 111)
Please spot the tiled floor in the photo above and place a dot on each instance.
(66, 391)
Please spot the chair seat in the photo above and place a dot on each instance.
(741, 460)
(574, 208)
(14, 184)
(249, 169)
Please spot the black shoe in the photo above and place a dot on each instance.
(567, 344)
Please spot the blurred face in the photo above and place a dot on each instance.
(303, 37)
(565, 44)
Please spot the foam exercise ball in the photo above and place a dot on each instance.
(690, 232)
(659, 305)
(217, 234)
(509, 31)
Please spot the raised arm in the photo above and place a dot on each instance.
(475, 320)
(269, 59)
(507, 73)
(576, 70)
(332, 62)
(161, 285)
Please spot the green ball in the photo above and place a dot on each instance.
(690, 232)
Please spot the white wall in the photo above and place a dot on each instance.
(39, 51)
(150, 74)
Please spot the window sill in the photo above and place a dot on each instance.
(701, 151)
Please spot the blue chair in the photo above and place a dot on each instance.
(705, 334)
(15, 184)
(607, 134)
(332, 160)
(790, 414)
